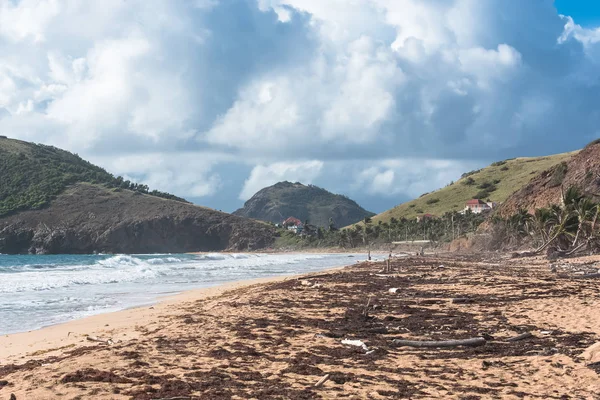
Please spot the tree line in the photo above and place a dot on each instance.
(32, 178)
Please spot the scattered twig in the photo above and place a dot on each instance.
(478, 341)
(462, 300)
(322, 381)
(587, 276)
(366, 312)
(522, 336)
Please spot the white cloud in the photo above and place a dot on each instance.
(344, 82)
(164, 171)
(409, 177)
(266, 175)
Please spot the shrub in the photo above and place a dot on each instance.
(469, 181)
(484, 194)
(419, 211)
(487, 187)
(466, 174)
(433, 201)
(412, 206)
(558, 176)
(496, 181)
(505, 168)
(424, 194)
(593, 143)
(498, 163)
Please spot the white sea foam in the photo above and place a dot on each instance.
(40, 290)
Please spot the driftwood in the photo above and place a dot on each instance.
(587, 276)
(522, 336)
(99, 340)
(322, 381)
(478, 341)
(366, 312)
(175, 398)
(315, 276)
(462, 300)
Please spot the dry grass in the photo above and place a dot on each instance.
(512, 176)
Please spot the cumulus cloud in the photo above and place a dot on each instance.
(409, 177)
(266, 175)
(381, 90)
(164, 171)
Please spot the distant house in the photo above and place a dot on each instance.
(293, 224)
(478, 206)
(425, 216)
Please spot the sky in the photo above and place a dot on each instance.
(380, 100)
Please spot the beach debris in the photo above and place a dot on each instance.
(174, 398)
(522, 336)
(322, 381)
(472, 342)
(591, 355)
(394, 290)
(3, 383)
(357, 343)
(306, 283)
(366, 311)
(547, 332)
(99, 340)
(582, 275)
(462, 300)
(13, 397)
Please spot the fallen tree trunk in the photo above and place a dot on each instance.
(472, 342)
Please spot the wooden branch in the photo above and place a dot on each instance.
(322, 381)
(462, 300)
(174, 398)
(522, 336)
(366, 312)
(587, 276)
(472, 342)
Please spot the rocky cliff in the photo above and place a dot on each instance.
(53, 201)
(305, 202)
(582, 170)
(89, 218)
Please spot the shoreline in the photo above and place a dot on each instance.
(334, 334)
(119, 324)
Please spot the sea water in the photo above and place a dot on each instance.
(42, 290)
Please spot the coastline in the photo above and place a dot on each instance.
(277, 337)
(119, 324)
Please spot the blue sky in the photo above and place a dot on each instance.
(585, 12)
(380, 100)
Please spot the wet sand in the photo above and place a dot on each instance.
(276, 338)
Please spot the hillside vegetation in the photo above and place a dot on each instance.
(495, 182)
(305, 202)
(34, 174)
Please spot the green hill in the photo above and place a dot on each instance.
(495, 182)
(54, 202)
(34, 174)
(305, 202)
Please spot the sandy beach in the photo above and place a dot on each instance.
(276, 338)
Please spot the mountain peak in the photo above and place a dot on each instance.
(306, 202)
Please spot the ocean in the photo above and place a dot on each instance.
(43, 290)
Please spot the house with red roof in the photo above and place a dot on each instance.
(293, 224)
(478, 206)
